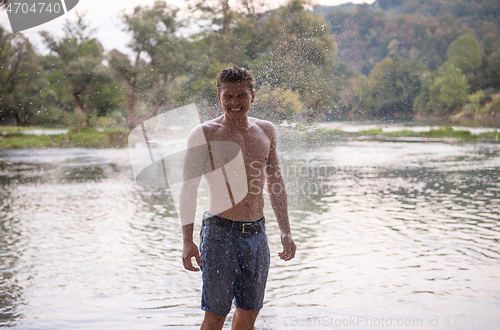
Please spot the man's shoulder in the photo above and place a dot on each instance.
(210, 125)
(200, 133)
(265, 125)
(206, 126)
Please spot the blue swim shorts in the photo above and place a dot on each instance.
(235, 263)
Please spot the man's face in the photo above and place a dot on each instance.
(235, 98)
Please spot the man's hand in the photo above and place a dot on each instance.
(188, 251)
(288, 247)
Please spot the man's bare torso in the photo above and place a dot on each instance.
(255, 144)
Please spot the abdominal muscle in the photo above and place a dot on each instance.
(248, 209)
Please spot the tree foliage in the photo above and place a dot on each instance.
(154, 31)
(80, 56)
(394, 84)
(302, 57)
(464, 53)
(366, 36)
(23, 96)
(349, 61)
(443, 91)
(276, 104)
(453, 87)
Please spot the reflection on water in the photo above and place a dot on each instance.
(401, 231)
(10, 292)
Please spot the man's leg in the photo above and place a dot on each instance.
(244, 320)
(212, 321)
(218, 268)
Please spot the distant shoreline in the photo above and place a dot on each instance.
(433, 134)
(11, 138)
(100, 139)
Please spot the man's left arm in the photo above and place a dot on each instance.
(278, 197)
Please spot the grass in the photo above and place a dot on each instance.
(404, 133)
(443, 132)
(448, 132)
(112, 138)
(313, 133)
(375, 131)
(490, 135)
(117, 137)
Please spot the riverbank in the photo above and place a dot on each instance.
(12, 138)
(371, 132)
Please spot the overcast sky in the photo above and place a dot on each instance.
(104, 15)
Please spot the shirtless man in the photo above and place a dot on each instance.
(233, 243)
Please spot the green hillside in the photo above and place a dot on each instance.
(391, 59)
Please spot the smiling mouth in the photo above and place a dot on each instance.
(236, 109)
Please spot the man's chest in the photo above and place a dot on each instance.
(254, 146)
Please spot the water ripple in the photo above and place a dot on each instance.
(382, 229)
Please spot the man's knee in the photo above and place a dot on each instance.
(246, 313)
(212, 321)
(244, 319)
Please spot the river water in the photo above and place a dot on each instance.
(389, 235)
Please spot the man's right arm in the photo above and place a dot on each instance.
(194, 162)
(189, 193)
(189, 249)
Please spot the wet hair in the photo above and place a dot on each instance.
(235, 74)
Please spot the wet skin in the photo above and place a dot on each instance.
(257, 141)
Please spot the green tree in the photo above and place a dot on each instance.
(276, 104)
(465, 54)
(394, 84)
(81, 58)
(453, 87)
(221, 14)
(130, 74)
(203, 71)
(366, 35)
(106, 98)
(237, 33)
(158, 82)
(490, 73)
(475, 102)
(302, 57)
(56, 84)
(427, 101)
(23, 96)
(443, 91)
(355, 98)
